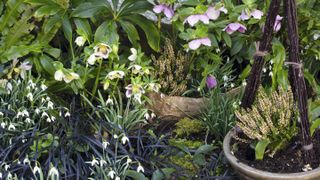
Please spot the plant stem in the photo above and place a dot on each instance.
(96, 83)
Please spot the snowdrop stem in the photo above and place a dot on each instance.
(191, 60)
(96, 83)
(159, 21)
(72, 53)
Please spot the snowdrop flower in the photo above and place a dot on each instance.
(214, 13)
(49, 119)
(225, 78)
(117, 178)
(194, 19)
(20, 114)
(232, 27)
(3, 125)
(153, 115)
(306, 168)
(36, 170)
(147, 116)
(26, 160)
(1, 113)
(109, 101)
(232, 85)
(0, 175)
(28, 120)
(264, 70)
(59, 75)
(168, 11)
(6, 167)
(140, 168)
(196, 43)
(316, 36)
(211, 81)
(111, 174)
(50, 105)
(270, 74)
(43, 87)
(53, 172)
(277, 24)
(44, 114)
(124, 139)
(67, 114)
(80, 40)
(30, 96)
(70, 77)
(129, 161)
(134, 54)
(25, 66)
(115, 136)
(105, 144)
(53, 118)
(115, 74)
(94, 162)
(244, 83)
(9, 87)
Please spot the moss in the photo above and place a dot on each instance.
(187, 126)
(184, 142)
(186, 162)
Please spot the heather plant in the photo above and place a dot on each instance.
(270, 123)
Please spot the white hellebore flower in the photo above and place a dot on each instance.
(140, 168)
(124, 139)
(111, 174)
(136, 69)
(59, 75)
(70, 77)
(101, 51)
(134, 54)
(80, 40)
(115, 74)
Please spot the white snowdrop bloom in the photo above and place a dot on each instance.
(9, 175)
(270, 67)
(48, 119)
(129, 161)
(146, 116)
(53, 173)
(94, 162)
(316, 36)
(59, 75)
(9, 87)
(198, 89)
(1, 113)
(50, 105)
(271, 61)
(117, 178)
(270, 74)
(244, 83)
(25, 113)
(20, 114)
(115, 136)
(105, 144)
(11, 127)
(3, 125)
(37, 111)
(111, 174)
(43, 87)
(48, 98)
(67, 114)
(140, 168)
(6, 167)
(134, 54)
(44, 114)
(264, 70)
(53, 118)
(115, 74)
(24, 140)
(119, 116)
(43, 100)
(36, 170)
(109, 101)
(225, 78)
(80, 41)
(32, 84)
(27, 120)
(306, 168)
(124, 139)
(217, 50)
(0, 175)
(153, 115)
(103, 162)
(26, 161)
(232, 85)
(30, 96)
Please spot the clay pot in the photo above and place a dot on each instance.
(250, 173)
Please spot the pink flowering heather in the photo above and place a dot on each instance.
(196, 43)
(232, 27)
(211, 82)
(168, 11)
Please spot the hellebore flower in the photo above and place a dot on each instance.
(59, 75)
(168, 11)
(211, 82)
(214, 13)
(196, 43)
(80, 40)
(134, 54)
(232, 27)
(256, 14)
(115, 74)
(101, 51)
(70, 77)
(277, 24)
(194, 19)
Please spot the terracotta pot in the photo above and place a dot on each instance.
(247, 172)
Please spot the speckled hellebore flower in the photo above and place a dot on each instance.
(167, 10)
(196, 43)
(115, 74)
(211, 82)
(277, 24)
(232, 27)
(214, 13)
(101, 51)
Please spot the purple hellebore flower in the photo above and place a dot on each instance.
(256, 14)
(193, 19)
(214, 13)
(244, 16)
(129, 91)
(277, 23)
(196, 43)
(232, 27)
(211, 82)
(168, 11)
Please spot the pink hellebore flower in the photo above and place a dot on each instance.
(277, 24)
(232, 27)
(256, 14)
(194, 19)
(196, 43)
(214, 13)
(168, 11)
(211, 82)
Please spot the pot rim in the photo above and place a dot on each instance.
(245, 169)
